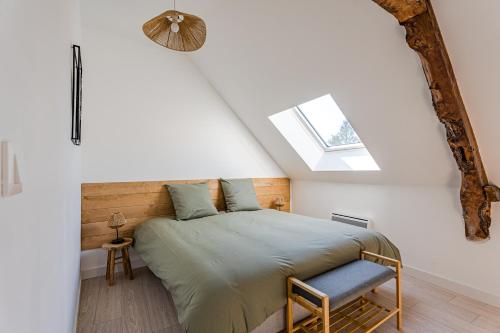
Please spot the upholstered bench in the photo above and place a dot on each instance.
(336, 299)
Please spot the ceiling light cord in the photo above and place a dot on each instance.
(175, 20)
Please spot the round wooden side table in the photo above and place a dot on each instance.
(113, 259)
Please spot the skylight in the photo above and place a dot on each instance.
(323, 137)
(328, 124)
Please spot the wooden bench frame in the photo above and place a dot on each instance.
(322, 318)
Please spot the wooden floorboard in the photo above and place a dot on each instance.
(144, 305)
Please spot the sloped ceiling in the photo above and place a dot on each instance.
(266, 56)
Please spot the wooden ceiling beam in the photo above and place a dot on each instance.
(424, 36)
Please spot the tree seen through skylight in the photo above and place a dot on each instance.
(345, 136)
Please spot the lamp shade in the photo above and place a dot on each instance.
(116, 220)
(177, 31)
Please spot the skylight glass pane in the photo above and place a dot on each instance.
(328, 122)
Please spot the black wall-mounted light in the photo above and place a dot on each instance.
(76, 95)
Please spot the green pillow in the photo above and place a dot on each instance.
(191, 201)
(239, 194)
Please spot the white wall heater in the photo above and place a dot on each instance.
(352, 220)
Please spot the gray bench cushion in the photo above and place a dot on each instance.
(346, 283)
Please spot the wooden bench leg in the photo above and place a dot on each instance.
(326, 314)
(112, 268)
(289, 308)
(399, 297)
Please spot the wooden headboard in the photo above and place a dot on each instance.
(140, 201)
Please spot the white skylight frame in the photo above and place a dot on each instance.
(327, 120)
(310, 145)
(312, 130)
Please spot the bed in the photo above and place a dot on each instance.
(227, 272)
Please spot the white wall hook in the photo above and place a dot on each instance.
(10, 178)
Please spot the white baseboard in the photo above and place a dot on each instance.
(89, 273)
(457, 287)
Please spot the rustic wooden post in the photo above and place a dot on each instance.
(424, 36)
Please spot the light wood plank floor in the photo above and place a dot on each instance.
(144, 305)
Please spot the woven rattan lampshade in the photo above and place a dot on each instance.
(177, 31)
(116, 220)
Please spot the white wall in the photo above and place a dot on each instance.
(150, 114)
(353, 50)
(40, 243)
(424, 222)
(356, 51)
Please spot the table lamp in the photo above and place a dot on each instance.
(115, 221)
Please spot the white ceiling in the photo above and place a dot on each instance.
(266, 56)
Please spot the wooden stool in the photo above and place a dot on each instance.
(112, 259)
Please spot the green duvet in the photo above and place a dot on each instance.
(227, 272)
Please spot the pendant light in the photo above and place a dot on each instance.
(176, 30)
